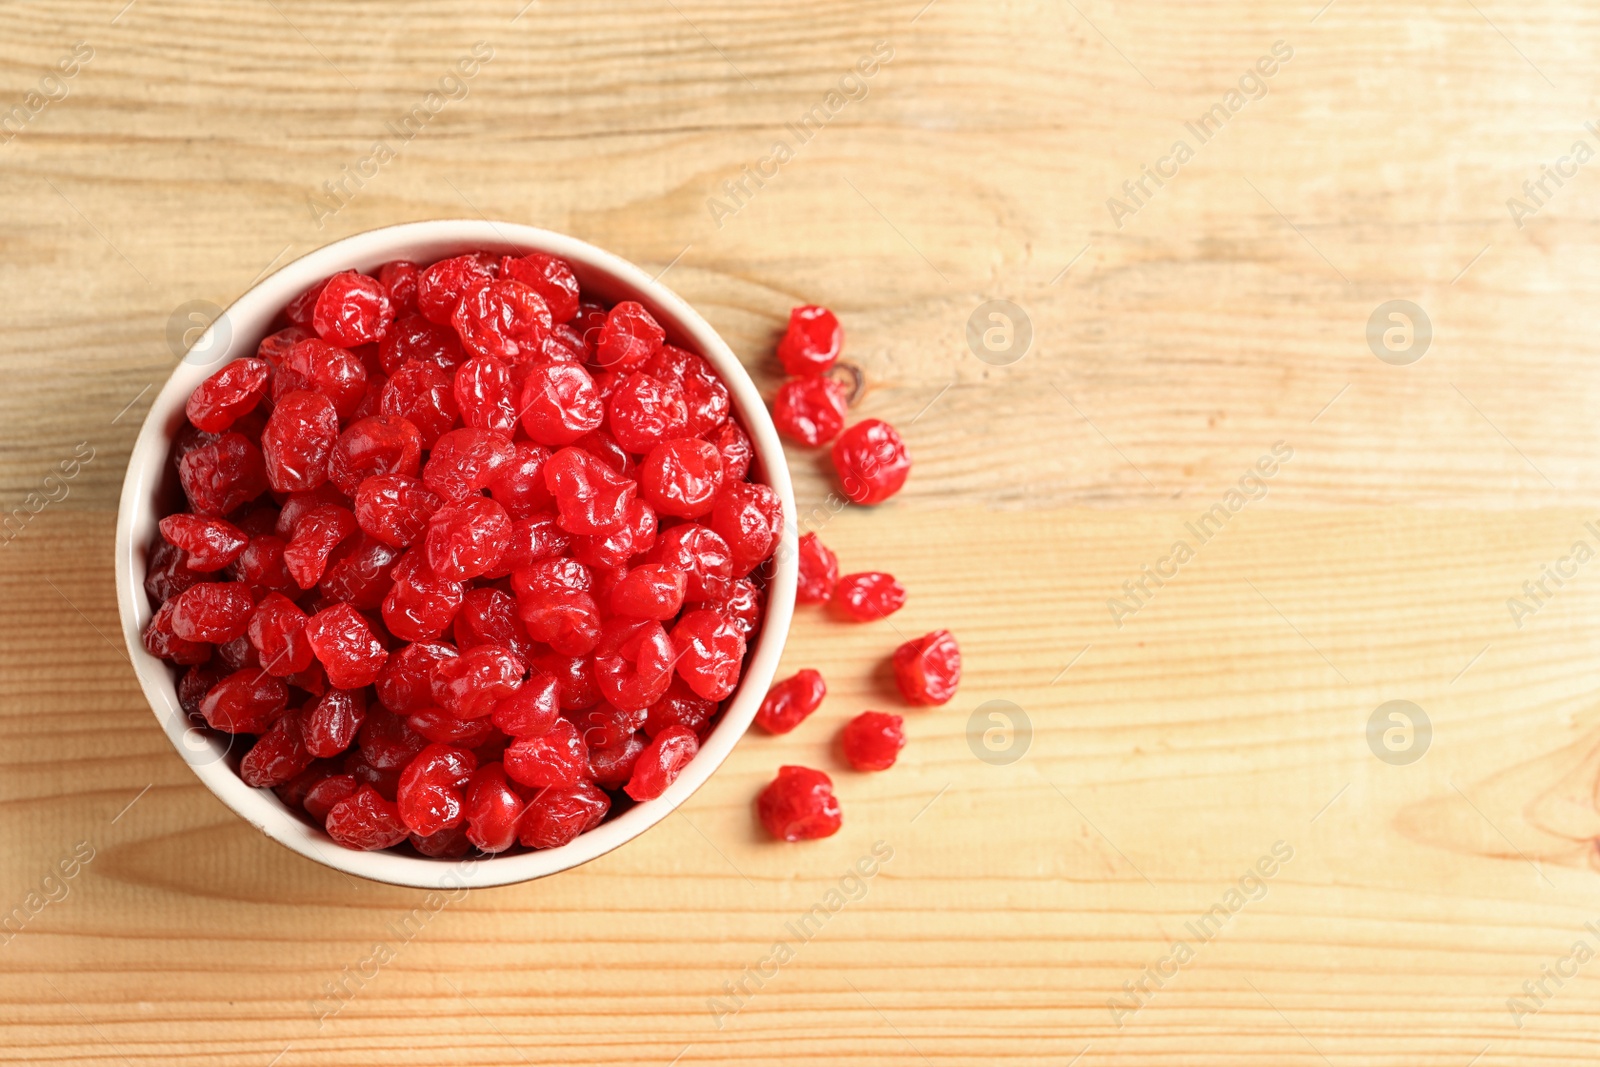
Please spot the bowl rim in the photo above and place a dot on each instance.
(246, 320)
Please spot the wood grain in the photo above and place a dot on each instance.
(1168, 754)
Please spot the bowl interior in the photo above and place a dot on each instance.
(150, 491)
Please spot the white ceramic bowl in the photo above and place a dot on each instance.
(236, 333)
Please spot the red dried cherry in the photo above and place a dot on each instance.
(321, 798)
(334, 372)
(868, 596)
(681, 706)
(871, 461)
(366, 821)
(733, 445)
(431, 796)
(591, 497)
(299, 437)
(277, 631)
(415, 340)
(420, 604)
(245, 702)
(699, 553)
(161, 642)
(629, 337)
(799, 805)
(346, 646)
(441, 287)
(229, 393)
(399, 279)
(644, 412)
(352, 309)
(710, 651)
(222, 476)
(661, 762)
(395, 508)
(466, 460)
(467, 540)
(650, 591)
(316, 534)
(749, 517)
(405, 684)
(560, 404)
(472, 683)
(208, 544)
(532, 710)
(790, 701)
(558, 758)
(812, 341)
(212, 612)
(819, 571)
(872, 740)
(331, 724)
(504, 319)
(277, 756)
(556, 816)
(421, 394)
(485, 395)
(810, 410)
(633, 663)
(493, 809)
(550, 277)
(378, 444)
(928, 669)
(682, 477)
(738, 600)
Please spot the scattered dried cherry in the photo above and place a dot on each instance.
(871, 461)
(928, 669)
(872, 740)
(868, 596)
(819, 571)
(812, 341)
(799, 805)
(790, 701)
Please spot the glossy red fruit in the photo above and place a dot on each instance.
(245, 702)
(485, 394)
(575, 675)
(277, 756)
(682, 477)
(810, 411)
(566, 620)
(872, 740)
(928, 668)
(321, 798)
(168, 574)
(790, 701)
(739, 601)
(277, 630)
(519, 486)
(421, 394)
(472, 683)
(633, 663)
(467, 540)
(161, 642)
(704, 394)
(464, 461)
(749, 518)
(352, 309)
(591, 498)
(493, 809)
(558, 758)
(405, 684)
(612, 764)
(222, 476)
(871, 462)
(489, 617)
(733, 445)
(420, 605)
(681, 706)
(868, 596)
(414, 340)
(345, 645)
(399, 279)
(231, 392)
(437, 724)
(710, 652)
(365, 821)
(559, 404)
(387, 742)
(630, 337)
(335, 372)
(643, 412)
(812, 341)
(213, 612)
(661, 762)
(819, 571)
(261, 565)
(799, 805)
(650, 591)
(208, 544)
(503, 319)
(532, 710)
(552, 278)
(432, 792)
(699, 553)
(395, 508)
(274, 348)
(441, 287)
(331, 723)
(557, 816)
(376, 445)
(316, 534)
(299, 438)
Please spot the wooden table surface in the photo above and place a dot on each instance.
(1198, 856)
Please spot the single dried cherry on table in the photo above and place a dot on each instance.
(928, 668)
(799, 805)
(468, 558)
(872, 740)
